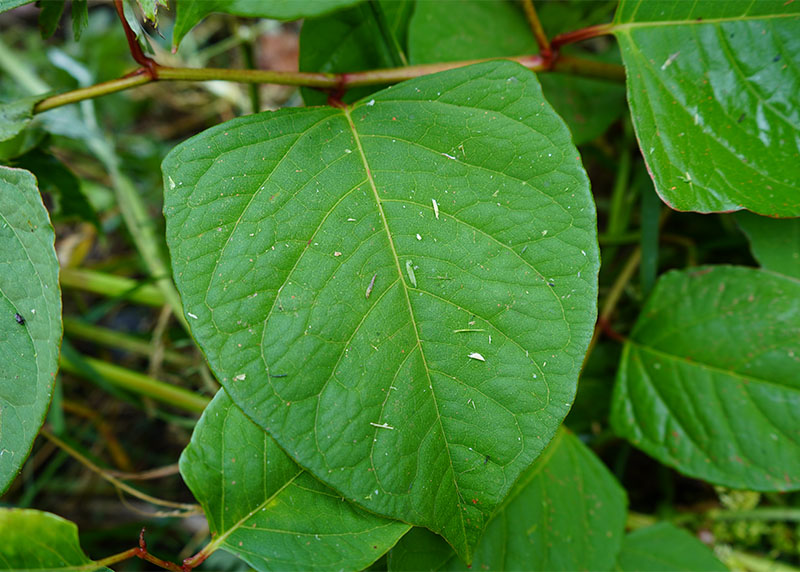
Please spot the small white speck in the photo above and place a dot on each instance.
(351, 220)
(419, 237)
(382, 426)
(337, 253)
(544, 233)
(348, 151)
(240, 377)
(370, 103)
(191, 315)
(449, 156)
(410, 271)
(171, 182)
(435, 208)
(669, 60)
(476, 356)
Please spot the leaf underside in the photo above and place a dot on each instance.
(400, 292)
(708, 380)
(714, 90)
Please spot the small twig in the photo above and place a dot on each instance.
(114, 481)
(158, 473)
(536, 28)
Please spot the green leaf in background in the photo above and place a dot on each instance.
(6, 5)
(664, 546)
(775, 243)
(400, 292)
(188, 13)
(55, 177)
(50, 16)
(36, 540)
(80, 17)
(16, 116)
(29, 293)
(567, 512)
(714, 90)
(708, 382)
(350, 40)
(478, 29)
(265, 509)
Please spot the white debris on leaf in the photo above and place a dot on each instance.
(435, 208)
(410, 271)
(240, 377)
(191, 315)
(381, 425)
(476, 356)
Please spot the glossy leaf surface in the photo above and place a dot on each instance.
(567, 512)
(30, 317)
(714, 89)
(477, 29)
(36, 540)
(190, 12)
(268, 511)
(708, 379)
(775, 243)
(396, 290)
(664, 546)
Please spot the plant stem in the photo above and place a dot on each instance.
(391, 44)
(744, 561)
(580, 35)
(72, 452)
(536, 28)
(114, 339)
(784, 514)
(111, 286)
(564, 64)
(141, 384)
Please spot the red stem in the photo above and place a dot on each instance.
(580, 35)
(148, 64)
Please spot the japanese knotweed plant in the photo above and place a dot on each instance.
(397, 285)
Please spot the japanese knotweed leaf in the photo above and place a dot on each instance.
(397, 290)
(36, 540)
(190, 12)
(775, 243)
(567, 512)
(714, 90)
(268, 511)
(30, 317)
(708, 382)
(664, 546)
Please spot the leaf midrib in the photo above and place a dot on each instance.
(396, 258)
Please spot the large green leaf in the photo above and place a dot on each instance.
(708, 380)
(664, 546)
(479, 29)
(398, 290)
(775, 242)
(714, 89)
(36, 540)
(190, 12)
(567, 512)
(30, 317)
(265, 509)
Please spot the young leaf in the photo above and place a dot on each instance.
(664, 546)
(478, 29)
(708, 380)
(30, 317)
(6, 5)
(278, 222)
(80, 17)
(188, 13)
(265, 509)
(567, 512)
(50, 16)
(714, 91)
(36, 540)
(775, 242)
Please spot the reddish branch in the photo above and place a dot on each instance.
(149, 66)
